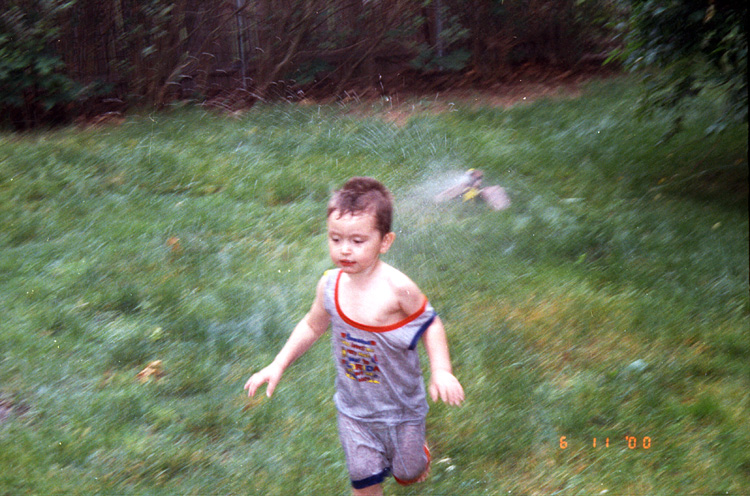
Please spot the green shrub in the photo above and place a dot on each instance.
(686, 48)
(33, 86)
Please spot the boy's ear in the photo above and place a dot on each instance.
(386, 242)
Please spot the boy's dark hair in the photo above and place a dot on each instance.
(364, 194)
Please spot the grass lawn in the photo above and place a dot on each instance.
(600, 325)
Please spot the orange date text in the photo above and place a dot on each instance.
(632, 442)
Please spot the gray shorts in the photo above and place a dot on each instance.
(374, 450)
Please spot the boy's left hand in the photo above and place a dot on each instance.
(445, 386)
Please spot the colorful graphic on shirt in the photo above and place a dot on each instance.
(359, 359)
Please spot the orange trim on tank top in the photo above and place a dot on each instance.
(369, 328)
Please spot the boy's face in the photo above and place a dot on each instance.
(355, 244)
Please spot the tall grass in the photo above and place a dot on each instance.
(609, 302)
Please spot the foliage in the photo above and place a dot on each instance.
(158, 51)
(147, 55)
(446, 52)
(505, 35)
(687, 47)
(33, 82)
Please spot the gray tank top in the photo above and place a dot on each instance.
(378, 376)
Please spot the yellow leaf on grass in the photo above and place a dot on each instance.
(154, 369)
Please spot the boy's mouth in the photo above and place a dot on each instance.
(347, 263)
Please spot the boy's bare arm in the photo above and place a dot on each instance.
(307, 331)
(443, 384)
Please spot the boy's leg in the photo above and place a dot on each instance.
(422, 476)
(411, 458)
(365, 456)
(376, 490)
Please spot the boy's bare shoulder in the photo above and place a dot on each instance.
(407, 292)
(401, 283)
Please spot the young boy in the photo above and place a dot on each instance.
(377, 316)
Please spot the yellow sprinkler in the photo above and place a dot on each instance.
(470, 187)
(473, 183)
(470, 194)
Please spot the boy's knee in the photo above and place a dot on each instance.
(414, 471)
(411, 475)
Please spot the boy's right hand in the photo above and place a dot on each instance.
(271, 375)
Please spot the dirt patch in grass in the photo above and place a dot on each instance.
(401, 104)
(400, 108)
(10, 408)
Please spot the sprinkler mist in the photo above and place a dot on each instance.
(428, 226)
